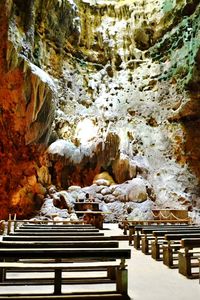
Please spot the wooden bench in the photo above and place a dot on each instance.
(171, 247)
(150, 236)
(117, 273)
(15, 223)
(59, 244)
(136, 232)
(159, 239)
(190, 252)
(130, 224)
(147, 230)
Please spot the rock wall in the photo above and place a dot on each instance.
(116, 81)
(135, 79)
(27, 110)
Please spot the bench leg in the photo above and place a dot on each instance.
(184, 264)
(2, 274)
(137, 239)
(168, 256)
(155, 250)
(122, 279)
(111, 273)
(57, 282)
(125, 229)
(130, 238)
(145, 245)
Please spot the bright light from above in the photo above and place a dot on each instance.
(86, 131)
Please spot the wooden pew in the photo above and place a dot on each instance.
(60, 244)
(135, 232)
(172, 245)
(157, 243)
(117, 273)
(190, 252)
(15, 223)
(130, 224)
(147, 230)
(151, 238)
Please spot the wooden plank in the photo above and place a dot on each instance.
(165, 230)
(178, 236)
(73, 253)
(57, 238)
(57, 233)
(86, 296)
(49, 281)
(54, 265)
(27, 230)
(62, 244)
(190, 242)
(73, 226)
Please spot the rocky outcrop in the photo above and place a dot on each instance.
(132, 199)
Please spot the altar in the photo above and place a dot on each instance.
(90, 213)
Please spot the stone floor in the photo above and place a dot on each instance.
(148, 279)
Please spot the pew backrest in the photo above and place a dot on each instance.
(179, 236)
(182, 231)
(63, 244)
(190, 243)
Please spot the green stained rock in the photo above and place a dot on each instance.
(168, 5)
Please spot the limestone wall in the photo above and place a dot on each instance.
(117, 80)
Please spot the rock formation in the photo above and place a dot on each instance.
(91, 86)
